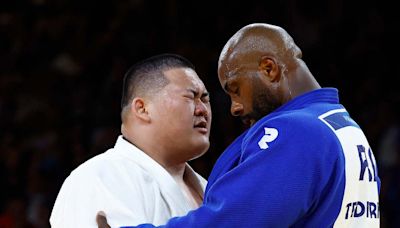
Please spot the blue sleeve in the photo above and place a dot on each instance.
(274, 184)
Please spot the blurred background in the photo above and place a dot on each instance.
(62, 64)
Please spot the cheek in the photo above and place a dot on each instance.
(247, 101)
(170, 111)
(209, 113)
(181, 111)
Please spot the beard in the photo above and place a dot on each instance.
(264, 101)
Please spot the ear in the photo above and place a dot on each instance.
(269, 68)
(139, 109)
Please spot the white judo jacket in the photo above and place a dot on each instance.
(125, 183)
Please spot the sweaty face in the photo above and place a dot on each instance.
(182, 113)
(252, 97)
(263, 102)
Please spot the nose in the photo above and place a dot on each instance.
(201, 109)
(236, 108)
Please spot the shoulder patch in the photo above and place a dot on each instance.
(270, 134)
(337, 119)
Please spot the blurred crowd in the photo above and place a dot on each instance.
(62, 64)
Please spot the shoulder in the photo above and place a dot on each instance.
(93, 166)
(292, 126)
(107, 169)
(295, 133)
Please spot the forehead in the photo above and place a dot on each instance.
(236, 61)
(227, 65)
(234, 68)
(184, 77)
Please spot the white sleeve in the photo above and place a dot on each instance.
(61, 214)
(84, 194)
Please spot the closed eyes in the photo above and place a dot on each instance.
(205, 96)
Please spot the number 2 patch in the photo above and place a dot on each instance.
(270, 134)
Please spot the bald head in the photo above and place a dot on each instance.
(260, 68)
(258, 39)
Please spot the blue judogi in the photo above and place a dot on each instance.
(307, 164)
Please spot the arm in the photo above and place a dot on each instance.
(72, 206)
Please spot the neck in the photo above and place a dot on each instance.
(302, 81)
(175, 169)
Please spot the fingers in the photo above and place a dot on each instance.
(102, 220)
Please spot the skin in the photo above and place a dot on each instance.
(261, 69)
(178, 118)
(102, 220)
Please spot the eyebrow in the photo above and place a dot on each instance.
(228, 86)
(204, 94)
(229, 78)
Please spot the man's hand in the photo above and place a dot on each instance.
(102, 220)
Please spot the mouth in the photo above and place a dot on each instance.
(247, 121)
(201, 126)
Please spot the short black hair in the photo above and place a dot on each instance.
(147, 76)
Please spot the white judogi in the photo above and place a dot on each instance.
(125, 183)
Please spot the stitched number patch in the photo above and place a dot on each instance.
(270, 135)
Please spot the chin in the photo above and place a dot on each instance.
(201, 148)
(198, 155)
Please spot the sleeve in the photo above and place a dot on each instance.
(59, 209)
(84, 193)
(274, 184)
(73, 206)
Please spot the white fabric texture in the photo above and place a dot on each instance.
(125, 183)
